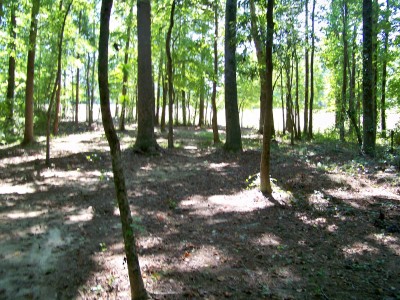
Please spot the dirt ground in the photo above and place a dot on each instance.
(205, 231)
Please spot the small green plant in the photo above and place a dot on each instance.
(172, 204)
(103, 247)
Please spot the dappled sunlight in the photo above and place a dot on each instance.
(79, 216)
(22, 189)
(359, 248)
(18, 214)
(306, 219)
(267, 239)
(391, 242)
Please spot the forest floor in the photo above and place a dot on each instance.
(331, 230)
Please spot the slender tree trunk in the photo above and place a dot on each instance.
(29, 90)
(260, 52)
(164, 102)
(233, 131)
(201, 103)
(57, 83)
(352, 111)
(384, 67)
(183, 94)
(170, 79)
(125, 70)
(159, 83)
(283, 104)
(11, 69)
(306, 75)
(344, 74)
(215, 78)
(138, 291)
(78, 77)
(368, 80)
(92, 91)
(298, 130)
(310, 119)
(265, 185)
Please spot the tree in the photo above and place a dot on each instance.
(233, 132)
(138, 291)
(312, 92)
(145, 140)
(30, 75)
(368, 80)
(384, 67)
(214, 88)
(125, 69)
(57, 84)
(306, 88)
(170, 78)
(265, 183)
(11, 68)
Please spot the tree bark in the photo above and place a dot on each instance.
(384, 68)
(57, 83)
(265, 183)
(260, 53)
(30, 76)
(214, 87)
(11, 69)
(138, 291)
(343, 101)
(306, 75)
(310, 118)
(145, 141)
(170, 79)
(368, 80)
(233, 131)
(125, 69)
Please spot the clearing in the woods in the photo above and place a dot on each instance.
(205, 231)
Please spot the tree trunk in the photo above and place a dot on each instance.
(125, 69)
(215, 78)
(11, 69)
(265, 186)
(260, 52)
(343, 101)
(297, 122)
(306, 75)
(384, 66)
(138, 291)
(159, 84)
(233, 131)
(164, 103)
(170, 79)
(145, 141)
(352, 112)
(283, 105)
(28, 133)
(57, 83)
(368, 80)
(310, 118)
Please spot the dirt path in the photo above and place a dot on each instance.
(331, 231)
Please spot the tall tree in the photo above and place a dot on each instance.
(215, 78)
(138, 291)
(310, 118)
(260, 52)
(233, 131)
(30, 75)
(306, 74)
(125, 69)
(265, 183)
(170, 79)
(386, 30)
(368, 80)
(145, 140)
(11, 67)
(57, 83)
(342, 109)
